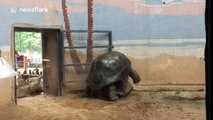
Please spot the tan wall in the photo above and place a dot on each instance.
(168, 65)
(7, 84)
(174, 67)
(160, 69)
(6, 91)
(171, 70)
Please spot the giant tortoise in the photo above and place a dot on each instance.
(108, 76)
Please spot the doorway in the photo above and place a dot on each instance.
(37, 58)
(29, 65)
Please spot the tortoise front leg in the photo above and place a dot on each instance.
(112, 93)
(123, 88)
(126, 88)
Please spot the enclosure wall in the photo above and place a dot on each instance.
(163, 39)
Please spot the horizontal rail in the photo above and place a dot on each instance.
(79, 47)
(109, 46)
(85, 64)
(74, 81)
(95, 31)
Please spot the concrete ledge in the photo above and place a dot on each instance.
(160, 88)
(177, 92)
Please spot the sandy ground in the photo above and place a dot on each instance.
(158, 104)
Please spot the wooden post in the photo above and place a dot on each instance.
(25, 65)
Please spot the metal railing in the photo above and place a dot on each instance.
(109, 46)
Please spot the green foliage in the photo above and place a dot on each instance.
(28, 42)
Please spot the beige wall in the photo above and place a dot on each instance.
(159, 69)
(7, 84)
(156, 66)
(6, 91)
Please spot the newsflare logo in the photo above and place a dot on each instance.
(28, 10)
(13, 10)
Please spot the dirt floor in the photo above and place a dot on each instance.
(167, 103)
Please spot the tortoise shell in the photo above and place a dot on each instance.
(107, 69)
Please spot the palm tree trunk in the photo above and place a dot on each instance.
(89, 57)
(73, 52)
(90, 32)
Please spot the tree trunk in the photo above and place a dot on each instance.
(73, 52)
(90, 33)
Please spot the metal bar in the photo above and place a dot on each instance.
(66, 65)
(74, 81)
(110, 41)
(44, 55)
(79, 47)
(63, 51)
(109, 46)
(97, 31)
(60, 61)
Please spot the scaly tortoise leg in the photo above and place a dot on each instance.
(123, 88)
(112, 93)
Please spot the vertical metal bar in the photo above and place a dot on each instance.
(60, 61)
(110, 47)
(110, 41)
(14, 60)
(62, 57)
(44, 55)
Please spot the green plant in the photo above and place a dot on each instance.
(28, 42)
